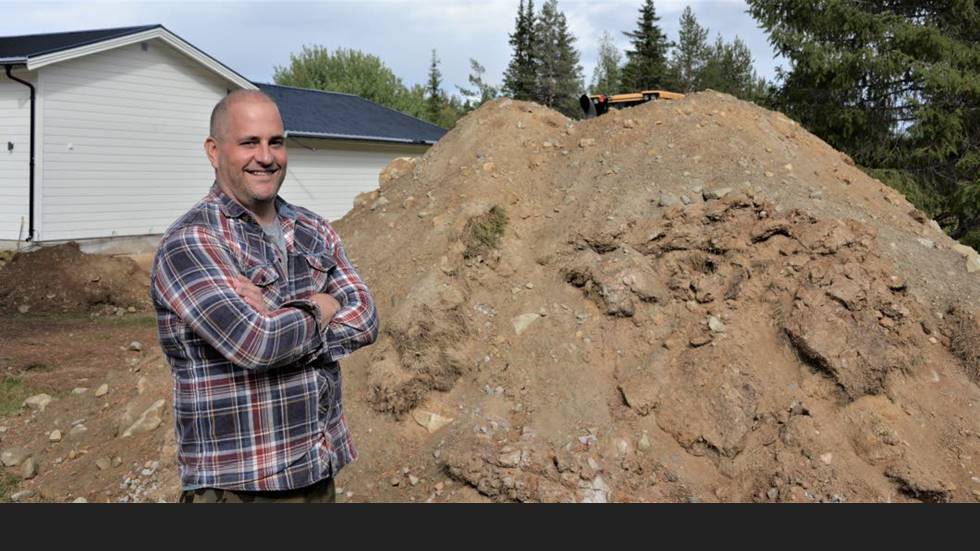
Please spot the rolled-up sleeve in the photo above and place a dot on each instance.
(356, 322)
(193, 276)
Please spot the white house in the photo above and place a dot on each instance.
(115, 119)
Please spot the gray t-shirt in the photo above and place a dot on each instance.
(273, 233)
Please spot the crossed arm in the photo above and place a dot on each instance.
(195, 277)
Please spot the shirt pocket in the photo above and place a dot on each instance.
(265, 276)
(318, 273)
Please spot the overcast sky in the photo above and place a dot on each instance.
(254, 37)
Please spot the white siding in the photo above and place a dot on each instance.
(122, 141)
(325, 175)
(15, 127)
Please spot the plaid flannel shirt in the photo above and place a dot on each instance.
(257, 398)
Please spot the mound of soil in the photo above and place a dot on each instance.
(62, 279)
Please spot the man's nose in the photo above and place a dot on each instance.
(264, 154)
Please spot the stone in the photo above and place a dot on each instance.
(116, 461)
(54, 436)
(964, 250)
(668, 199)
(24, 308)
(716, 325)
(816, 194)
(380, 202)
(148, 421)
(522, 322)
(586, 142)
(80, 500)
(700, 340)
(29, 468)
(413, 480)
(927, 243)
(38, 402)
(79, 390)
(77, 432)
(402, 166)
(135, 346)
(973, 264)
(716, 193)
(131, 309)
(103, 463)
(644, 443)
(431, 421)
(102, 391)
(22, 495)
(11, 457)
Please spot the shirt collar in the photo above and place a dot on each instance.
(233, 209)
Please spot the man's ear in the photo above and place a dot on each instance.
(211, 150)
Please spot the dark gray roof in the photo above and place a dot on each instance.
(319, 114)
(31, 45)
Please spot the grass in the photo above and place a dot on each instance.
(7, 483)
(12, 395)
(483, 232)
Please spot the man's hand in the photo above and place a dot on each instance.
(251, 293)
(328, 306)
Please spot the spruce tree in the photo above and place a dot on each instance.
(559, 75)
(435, 99)
(607, 77)
(728, 68)
(646, 63)
(690, 55)
(520, 78)
(895, 84)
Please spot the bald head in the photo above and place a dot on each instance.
(219, 115)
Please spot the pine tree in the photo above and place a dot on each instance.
(435, 99)
(895, 84)
(728, 68)
(478, 92)
(690, 55)
(607, 77)
(559, 75)
(520, 77)
(646, 63)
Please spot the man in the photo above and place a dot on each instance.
(256, 302)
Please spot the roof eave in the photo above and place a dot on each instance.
(354, 137)
(163, 34)
(13, 60)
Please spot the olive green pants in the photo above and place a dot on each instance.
(321, 492)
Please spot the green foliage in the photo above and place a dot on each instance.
(355, 72)
(481, 92)
(607, 77)
(8, 483)
(689, 55)
(559, 75)
(646, 63)
(482, 233)
(435, 99)
(723, 66)
(348, 71)
(520, 78)
(896, 85)
(12, 395)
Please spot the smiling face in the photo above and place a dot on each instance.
(248, 153)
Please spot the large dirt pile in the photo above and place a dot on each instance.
(62, 279)
(693, 300)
